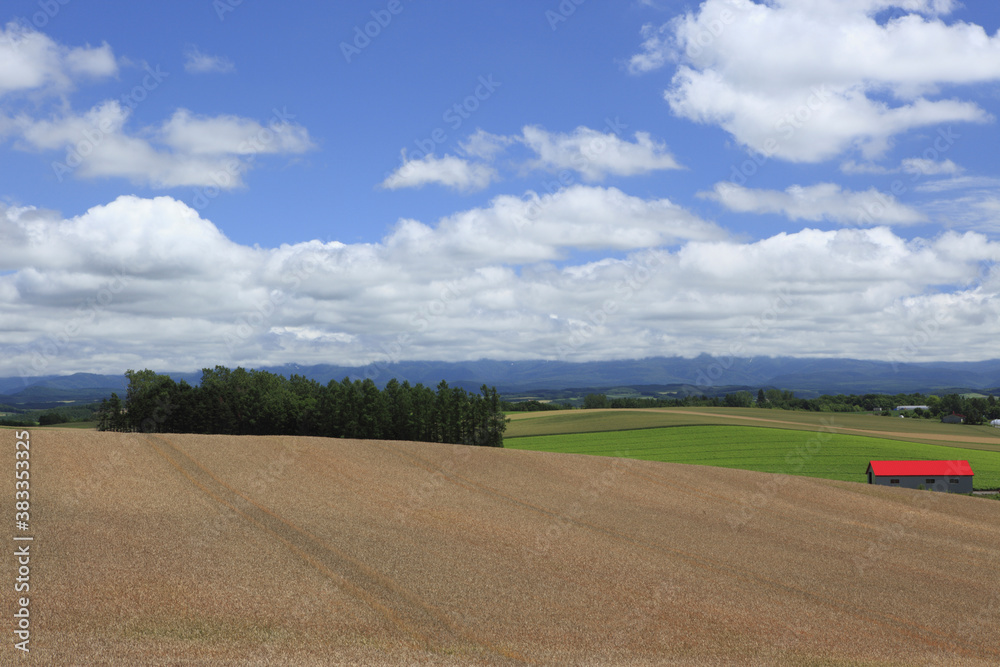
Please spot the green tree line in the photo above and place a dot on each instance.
(976, 410)
(532, 406)
(242, 402)
(49, 417)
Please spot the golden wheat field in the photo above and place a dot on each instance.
(188, 550)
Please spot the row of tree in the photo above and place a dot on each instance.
(45, 419)
(976, 410)
(532, 406)
(738, 399)
(241, 402)
(50, 417)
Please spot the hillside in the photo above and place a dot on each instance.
(158, 550)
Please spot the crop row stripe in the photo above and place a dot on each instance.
(374, 579)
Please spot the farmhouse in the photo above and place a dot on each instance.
(950, 476)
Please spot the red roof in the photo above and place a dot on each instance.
(920, 468)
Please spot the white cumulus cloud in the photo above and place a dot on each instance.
(592, 154)
(595, 155)
(184, 151)
(926, 167)
(150, 283)
(807, 81)
(232, 135)
(449, 171)
(824, 201)
(32, 61)
(196, 62)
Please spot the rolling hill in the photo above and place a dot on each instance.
(157, 550)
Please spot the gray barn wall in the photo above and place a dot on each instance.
(941, 483)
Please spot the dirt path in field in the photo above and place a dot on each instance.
(162, 550)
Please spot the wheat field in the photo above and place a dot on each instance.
(189, 550)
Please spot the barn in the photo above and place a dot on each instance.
(950, 476)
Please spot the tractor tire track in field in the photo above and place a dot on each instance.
(424, 627)
(928, 636)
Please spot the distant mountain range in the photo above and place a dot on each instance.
(704, 374)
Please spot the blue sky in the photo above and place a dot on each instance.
(197, 182)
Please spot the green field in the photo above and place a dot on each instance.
(825, 455)
(927, 431)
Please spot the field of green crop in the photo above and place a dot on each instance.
(929, 431)
(591, 421)
(825, 455)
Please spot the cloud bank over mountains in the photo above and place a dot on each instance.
(149, 281)
(627, 256)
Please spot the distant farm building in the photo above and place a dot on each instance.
(950, 476)
(996, 423)
(953, 419)
(900, 408)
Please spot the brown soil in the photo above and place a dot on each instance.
(169, 550)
